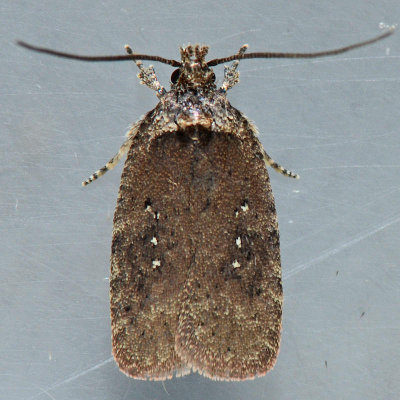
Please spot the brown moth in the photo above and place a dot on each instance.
(195, 264)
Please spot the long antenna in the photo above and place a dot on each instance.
(98, 58)
(341, 50)
(211, 63)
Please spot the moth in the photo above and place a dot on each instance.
(195, 279)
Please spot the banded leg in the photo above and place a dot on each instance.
(113, 162)
(278, 168)
(147, 76)
(231, 75)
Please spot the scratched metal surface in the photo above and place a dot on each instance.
(334, 121)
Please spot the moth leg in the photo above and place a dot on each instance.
(113, 162)
(147, 76)
(231, 75)
(278, 168)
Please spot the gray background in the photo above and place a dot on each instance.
(334, 121)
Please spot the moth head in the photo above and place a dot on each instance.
(194, 73)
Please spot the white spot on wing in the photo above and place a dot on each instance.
(154, 241)
(238, 242)
(245, 207)
(156, 263)
(155, 215)
(235, 264)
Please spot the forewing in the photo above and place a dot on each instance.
(195, 268)
(230, 320)
(150, 252)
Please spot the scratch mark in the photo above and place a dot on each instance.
(165, 389)
(355, 166)
(71, 378)
(244, 32)
(329, 253)
(48, 394)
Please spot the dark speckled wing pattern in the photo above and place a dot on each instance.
(195, 264)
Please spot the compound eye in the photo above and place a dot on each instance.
(175, 75)
(213, 77)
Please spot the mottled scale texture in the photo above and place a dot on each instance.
(195, 264)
